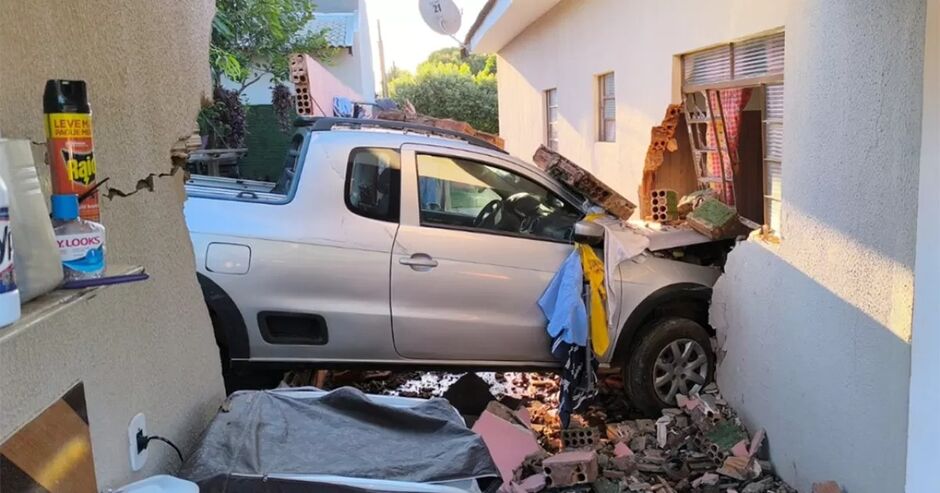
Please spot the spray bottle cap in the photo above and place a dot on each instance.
(65, 96)
(65, 207)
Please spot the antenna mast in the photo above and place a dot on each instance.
(382, 62)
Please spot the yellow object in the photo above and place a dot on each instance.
(593, 269)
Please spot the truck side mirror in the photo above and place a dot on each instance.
(588, 232)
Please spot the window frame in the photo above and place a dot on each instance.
(775, 49)
(602, 99)
(733, 79)
(469, 229)
(549, 123)
(394, 213)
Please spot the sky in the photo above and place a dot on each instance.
(408, 40)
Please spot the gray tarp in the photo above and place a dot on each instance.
(340, 433)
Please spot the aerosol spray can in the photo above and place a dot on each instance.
(71, 149)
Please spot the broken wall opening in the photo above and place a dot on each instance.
(727, 137)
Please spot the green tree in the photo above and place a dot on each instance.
(443, 88)
(252, 38)
(453, 55)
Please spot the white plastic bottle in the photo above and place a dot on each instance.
(38, 268)
(81, 242)
(9, 295)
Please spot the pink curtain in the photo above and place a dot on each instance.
(728, 121)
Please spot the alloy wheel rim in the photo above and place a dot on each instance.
(680, 368)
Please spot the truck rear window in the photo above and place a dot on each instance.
(373, 178)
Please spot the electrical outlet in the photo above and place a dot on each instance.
(137, 426)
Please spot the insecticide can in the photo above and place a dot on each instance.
(71, 149)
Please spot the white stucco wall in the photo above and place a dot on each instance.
(923, 450)
(817, 330)
(146, 347)
(578, 40)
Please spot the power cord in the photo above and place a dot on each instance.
(143, 441)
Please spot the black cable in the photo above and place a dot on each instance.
(164, 440)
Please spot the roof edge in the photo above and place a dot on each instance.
(485, 11)
(501, 21)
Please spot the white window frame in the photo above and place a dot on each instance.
(551, 126)
(728, 66)
(602, 99)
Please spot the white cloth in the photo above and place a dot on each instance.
(621, 242)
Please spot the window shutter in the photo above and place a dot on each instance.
(749, 59)
(773, 152)
(773, 145)
(708, 66)
(758, 57)
(775, 102)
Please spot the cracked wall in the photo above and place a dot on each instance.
(577, 40)
(146, 347)
(816, 330)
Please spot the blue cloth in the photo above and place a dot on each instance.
(342, 107)
(563, 304)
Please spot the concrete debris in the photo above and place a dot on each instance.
(570, 468)
(714, 219)
(583, 182)
(662, 140)
(827, 487)
(578, 438)
(509, 444)
(698, 447)
(410, 115)
(691, 201)
(707, 479)
(664, 205)
(662, 430)
(532, 484)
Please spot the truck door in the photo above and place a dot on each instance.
(478, 242)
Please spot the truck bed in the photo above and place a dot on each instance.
(215, 187)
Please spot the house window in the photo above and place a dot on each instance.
(733, 101)
(551, 119)
(607, 108)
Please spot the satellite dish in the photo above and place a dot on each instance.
(442, 16)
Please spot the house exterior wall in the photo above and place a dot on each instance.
(816, 330)
(578, 40)
(923, 426)
(145, 347)
(345, 67)
(364, 55)
(353, 69)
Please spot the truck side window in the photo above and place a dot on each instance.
(463, 194)
(373, 179)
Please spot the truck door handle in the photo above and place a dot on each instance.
(419, 261)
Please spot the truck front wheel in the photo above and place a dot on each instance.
(673, 356)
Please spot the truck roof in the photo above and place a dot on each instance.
(329, 123)
(394, 134)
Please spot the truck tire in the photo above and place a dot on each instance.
(233, 379)
(672, 356)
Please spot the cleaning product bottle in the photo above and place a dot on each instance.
(9, 295)
(81, 242)
(38, 267)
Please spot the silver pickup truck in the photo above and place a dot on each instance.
(390, 244)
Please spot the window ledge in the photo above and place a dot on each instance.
(52, 303)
